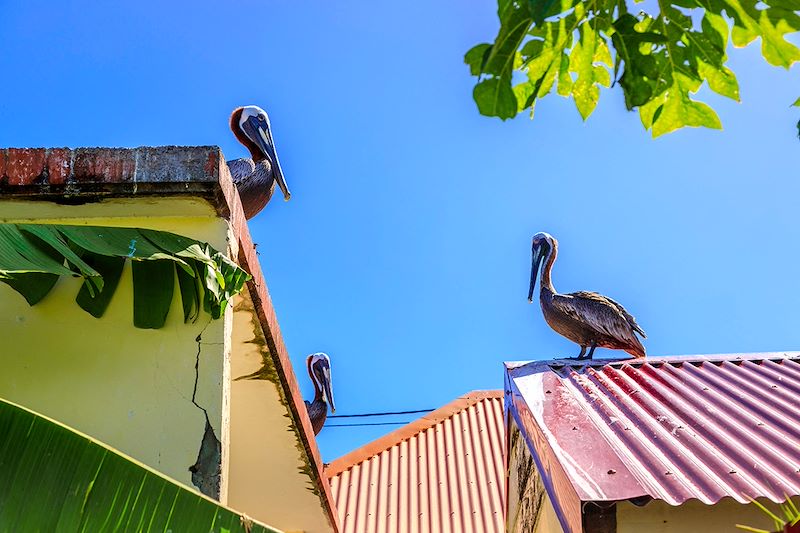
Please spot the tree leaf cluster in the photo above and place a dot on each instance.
(659, 60)
(34, 256)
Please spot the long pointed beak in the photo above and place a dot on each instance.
(536, 259)
(327, 389)
(264, 140)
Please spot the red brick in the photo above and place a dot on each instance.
(58, 165)
(24, 165)
(3, 156)
(108, 165)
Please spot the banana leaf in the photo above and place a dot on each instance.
(56, 479)
(33, 256)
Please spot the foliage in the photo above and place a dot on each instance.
(33, 256)
(791, 516)
(59, 480)
(659, 60)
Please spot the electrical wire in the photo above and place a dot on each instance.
(383, 414)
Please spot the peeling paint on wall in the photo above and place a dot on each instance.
(206, 471)
(525, 487)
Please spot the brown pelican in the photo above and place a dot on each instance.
(587, 318)
(319, 368)
(255, 177)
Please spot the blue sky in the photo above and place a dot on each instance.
(405, 250)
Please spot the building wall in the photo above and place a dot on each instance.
(660, 517)
(266, 455)
(529, 507)
(130, 388)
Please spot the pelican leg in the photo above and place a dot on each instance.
(583, 351)
(591, 351)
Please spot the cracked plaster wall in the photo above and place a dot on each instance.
(128, 387)
(529, 506)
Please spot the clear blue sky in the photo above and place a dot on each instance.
(405, 250)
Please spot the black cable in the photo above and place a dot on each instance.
(383, 414)
(366, 424)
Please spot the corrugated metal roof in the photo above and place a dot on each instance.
(673, 429)
(441, 473)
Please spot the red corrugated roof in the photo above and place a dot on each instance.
(441, 473)
(672, 429)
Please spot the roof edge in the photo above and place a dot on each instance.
(228, 197)
(546, 364)
(373, 448)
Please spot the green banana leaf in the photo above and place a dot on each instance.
(53, 478)
(33, 256)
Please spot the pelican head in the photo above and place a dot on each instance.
(251, 126)
(319, 368)
(541, 245)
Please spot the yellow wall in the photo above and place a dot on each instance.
(128, 387)
(132, 388)
(660, 517)
(548, 521)
(265, 454)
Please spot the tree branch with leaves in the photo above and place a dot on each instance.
(659, 59)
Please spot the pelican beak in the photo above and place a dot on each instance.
(536, 260)
(260, 132)
(327, 388)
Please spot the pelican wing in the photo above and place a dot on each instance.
(628, 317)
(241, 169)
(600, 313)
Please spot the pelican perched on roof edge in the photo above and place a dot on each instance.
(255, 177)
(587, 318)
(319, 368)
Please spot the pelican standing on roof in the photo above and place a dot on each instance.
(587, 318)
(319, 368)
(255, 177)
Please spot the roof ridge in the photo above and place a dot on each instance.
(410, 430)
(543, 365)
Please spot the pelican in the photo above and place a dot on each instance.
(319, 368)
(255, 177)
(587, 318)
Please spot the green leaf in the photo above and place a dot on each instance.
(24, 253)
(59, 480)
(191, 288)
(565, 82)
(153, 287)
(110, 268)
(586, 61)
(495, 98)
(515, 19)
(33, 256)
(33, 286)
(55, 239)
(539, 9)
(772, 25)
(720, 80)
(645, 76)
(476, 57)
(679, 110)
(796, 103)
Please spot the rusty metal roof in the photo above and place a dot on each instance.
(672, 429)
(441, 473)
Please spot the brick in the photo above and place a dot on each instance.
(105, 165)
(24, 165)
(58, 165)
